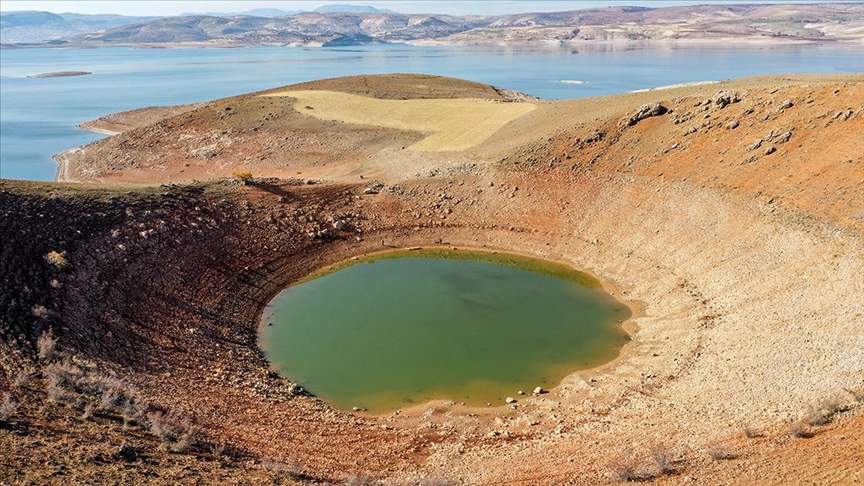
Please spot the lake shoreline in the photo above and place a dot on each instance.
(540, 44)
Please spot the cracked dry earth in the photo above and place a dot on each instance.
(728, 216)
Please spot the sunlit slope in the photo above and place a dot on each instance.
(454, 124)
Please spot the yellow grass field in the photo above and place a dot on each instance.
(454, 124)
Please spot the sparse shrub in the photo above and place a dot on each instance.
(217, 450)
(355, 479)
(21, 379)
(134, 410)
(47, 345)
(114, 392)
(858, 394)
(624, 467)
(823, 412)
(56, 258)
(63, 374)
(244, 176)
(436, 481)
(89, 410)
(751, 432)
(57, 393)
(8, 408)
(288, 469)
(798, 429)
(40, 311)
(664, 458)
(176, 431)
(719, 452)
(186, 441)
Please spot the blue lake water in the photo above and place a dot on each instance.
(38, 116)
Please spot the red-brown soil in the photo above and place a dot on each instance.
(744, 267)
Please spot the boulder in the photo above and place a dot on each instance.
(724, 98)
(645, 111)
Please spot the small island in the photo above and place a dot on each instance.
(61, 74)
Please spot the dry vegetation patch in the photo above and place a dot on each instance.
(455, 125)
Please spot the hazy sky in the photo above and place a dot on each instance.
(166, 7)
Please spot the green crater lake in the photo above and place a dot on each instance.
(409, 327)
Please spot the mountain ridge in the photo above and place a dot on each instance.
(793, 22)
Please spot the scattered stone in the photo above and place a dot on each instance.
(520, 392)
(783, 137)
(509, 400)
(369, 190)
(732, 125)
(127, 453)
(724, 98)
(784, 105)
(755, 145)
(690, 130)
(844, 115)
(539, 390)
(770, 150)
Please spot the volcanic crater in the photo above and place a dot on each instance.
(728, 216)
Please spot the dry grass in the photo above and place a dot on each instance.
(823, 412)
(858, 394)
(22, 379)
(355, 479)
(751, 432)
(625, 467)
(62, 374)
(47, 345)
(664, 458)
(798, 429)
(56, 258)
(286, 468)
(244, 176)
(8, 408)
(176, 430)
(720, 452)
(455, 124)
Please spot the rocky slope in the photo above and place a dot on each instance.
(32, 26)
(742, 263)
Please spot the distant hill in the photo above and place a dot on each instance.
(34, 26)
(308, 28)
(275, 12)
(330, 25)
(255, 12)
(345, 8)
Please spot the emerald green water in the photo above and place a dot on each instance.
(409, 327)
